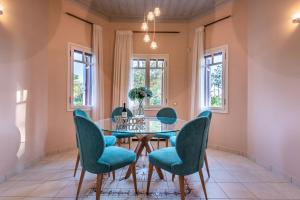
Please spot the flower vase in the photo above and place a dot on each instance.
(140, 110)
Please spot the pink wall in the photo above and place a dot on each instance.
(228, 130)
(273, 85)
(61, 133)
(23, 84)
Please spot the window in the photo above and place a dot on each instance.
(214, 80)
(151, 71)
(80, 77)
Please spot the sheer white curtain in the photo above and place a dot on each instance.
(197, 62)
(98, 76)
(122, 56)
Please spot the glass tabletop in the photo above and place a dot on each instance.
(145, 125)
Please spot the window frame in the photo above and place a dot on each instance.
(225, 66)
(71, 48)
(165, 92)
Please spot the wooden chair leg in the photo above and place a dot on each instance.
(181, 185)
(129, 141)
(203, 183)
(206, 164)
(119, 142)
(77, 163)
(157, 143)
(150, 171)
(80, 183)
(167, 142)
(173, 177)
(133, 172)
(99, 185)
(114, 175)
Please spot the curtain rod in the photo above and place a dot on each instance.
(167, 32)
(211, 23)
(84, 20)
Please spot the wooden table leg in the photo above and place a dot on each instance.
(138, 151)
(148, 149)
(144, 142)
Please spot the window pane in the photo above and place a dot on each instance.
(156, 85)
(208, 60)
(142, 63)
(78, 56)
(160, 63)
(79, 84)
(135, 63)
(218, 57)
(138, 77)
(152, 63)
(216, 86)
(88, 58)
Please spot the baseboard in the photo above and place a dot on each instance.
(53, 152)
(275, 170)
(226, 149)
(19, 168)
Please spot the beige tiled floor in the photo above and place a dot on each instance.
(232, 177)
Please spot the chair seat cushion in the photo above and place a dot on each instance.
(173, 141)
(110, 140)
(165, 158)
(165, 135)
(122, 135)
(116, 157)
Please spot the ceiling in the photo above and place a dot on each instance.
(135, 9)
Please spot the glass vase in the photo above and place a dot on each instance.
(140, 110)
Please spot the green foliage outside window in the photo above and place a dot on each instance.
(78, 90)
(216, 86)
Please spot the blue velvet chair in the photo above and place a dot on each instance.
(188, 155)
(109, 140)
(96, 157)
(207, 114)
(166, 115)
(117, 112)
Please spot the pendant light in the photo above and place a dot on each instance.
(156, 11)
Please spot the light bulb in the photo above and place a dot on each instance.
(144, 26)
(156, 11)
(296, 18)
(150, 16)
(147, 38)
(1, 9)
(153, 45)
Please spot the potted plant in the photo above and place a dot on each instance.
(139, 94)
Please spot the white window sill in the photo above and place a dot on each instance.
(84, 108)
(214, 110)
(152, 109)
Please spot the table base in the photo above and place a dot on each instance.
(144, 143)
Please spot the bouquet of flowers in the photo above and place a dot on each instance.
(139, 93)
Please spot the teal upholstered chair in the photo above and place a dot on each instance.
(166, 115)
(207, 114)
(117, 112)
(188, 155)
(109, 140)
(96, 157)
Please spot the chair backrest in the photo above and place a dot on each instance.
(190, 145)
(91, 143)
(167, 115)
(207, 114)
(79, 112)
(118, 111)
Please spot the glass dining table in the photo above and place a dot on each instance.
(144, 129)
